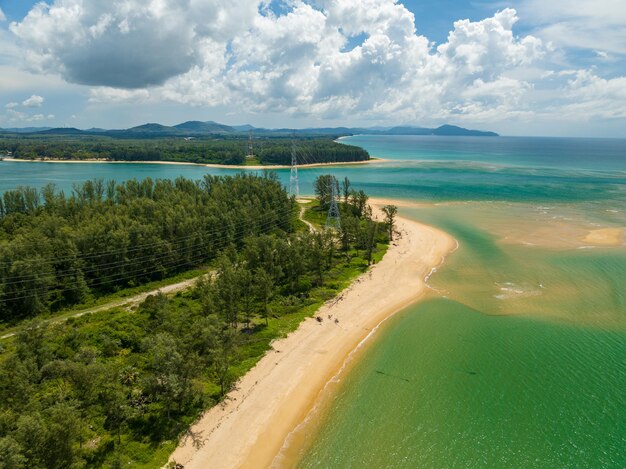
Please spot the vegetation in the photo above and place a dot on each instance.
(117, 388)
(390, 212)
(58, 250)
(225, 150)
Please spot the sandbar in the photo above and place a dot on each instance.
(249, 428)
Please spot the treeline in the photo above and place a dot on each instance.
(116, 389)
(279, 151)
(230, 151)
(58, 250)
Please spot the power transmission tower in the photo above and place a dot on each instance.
(250, 147)
(333, 219)
(294, 188)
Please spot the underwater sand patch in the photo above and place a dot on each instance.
(605, 237)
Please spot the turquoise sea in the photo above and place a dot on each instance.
(518, 356)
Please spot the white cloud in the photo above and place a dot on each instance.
(18, 116)
(594, 25)
(298, 63)
(2, 16)
(127, 43)
(33, 101)
(113, 95)
(328, 59)
(591, 96)
(11, 105)
(40, 117)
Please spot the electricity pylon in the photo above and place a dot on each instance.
(333, 219)
(294, 189)
(250, 147)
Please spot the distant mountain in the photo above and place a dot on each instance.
(210, 128)
(25, 130)
(243, 128)
(407, 131)
(204, 127)
(453, 130)
(152, 129)
(61, 131)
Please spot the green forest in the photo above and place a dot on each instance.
(230, 151)
(57, 250)
(117, 388)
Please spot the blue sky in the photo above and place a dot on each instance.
(523, 67)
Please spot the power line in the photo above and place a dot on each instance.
(294, 188)
(61, 274)
(333, 219)
(124, 276)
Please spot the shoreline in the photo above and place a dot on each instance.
(206, 165)
(276, 396)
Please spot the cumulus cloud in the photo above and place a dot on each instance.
(593, 96)
(127, 43)
(33, 101)
(323, 58)
(40, 117)
(299, 63)
(11, 105)
(18, 116)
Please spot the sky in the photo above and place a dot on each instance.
(518, 67)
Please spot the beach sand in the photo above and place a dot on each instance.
(248, 429)
(182, 163)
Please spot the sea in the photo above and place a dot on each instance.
(517, 356)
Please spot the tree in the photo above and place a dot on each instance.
(324, 188)
(371, 230)
(116, 409)
(246, 293)
(390, 217)
(62, 432)
(11, 454)
(264, 289)
(345, 186)
(168, 367)
(359, 203)
(224, 357)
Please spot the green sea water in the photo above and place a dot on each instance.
(445, 385)
(518, 357)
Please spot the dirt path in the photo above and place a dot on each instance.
(120, 302)
(307, 223)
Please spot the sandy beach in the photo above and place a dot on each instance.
(182, 163)
(248, 429)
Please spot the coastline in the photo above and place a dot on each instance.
(206, 165)
(274, 397)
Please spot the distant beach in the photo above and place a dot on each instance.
(207, 165)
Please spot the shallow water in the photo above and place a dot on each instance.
(448, 386)
(519, 358)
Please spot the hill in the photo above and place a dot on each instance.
(212, 129)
